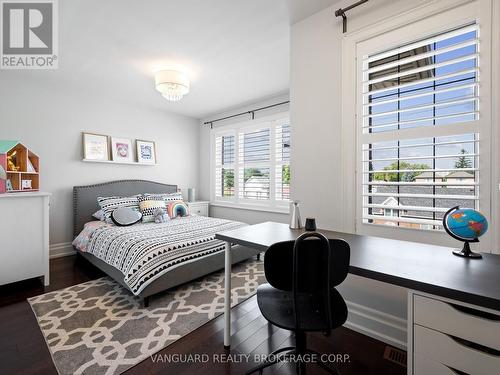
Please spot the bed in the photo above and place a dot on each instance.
(117, 264)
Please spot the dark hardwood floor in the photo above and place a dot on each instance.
(23, 349)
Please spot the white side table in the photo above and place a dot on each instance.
(198, 207)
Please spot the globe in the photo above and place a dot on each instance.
(467, 225)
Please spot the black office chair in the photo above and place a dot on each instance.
(300, 295)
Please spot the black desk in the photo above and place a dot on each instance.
(426, 268)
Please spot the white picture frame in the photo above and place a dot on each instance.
(121, 149)
(95, 146)
(146, 152)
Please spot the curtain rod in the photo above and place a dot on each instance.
(341, 13)
(252, 112)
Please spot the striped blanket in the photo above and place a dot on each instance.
(144, 252)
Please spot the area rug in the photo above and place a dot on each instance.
(98, 327)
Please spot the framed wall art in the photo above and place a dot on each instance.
(146, 152)
(95, 146)
(121, 149)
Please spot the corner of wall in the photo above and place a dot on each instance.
(58, 250)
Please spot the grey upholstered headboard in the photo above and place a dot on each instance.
(85, 197)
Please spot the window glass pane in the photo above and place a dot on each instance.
(283, 182)
(256, 183)
(227, 182)
(228, 150)
(424, 87)
(285, 143)
(256, 146)
(418, 180)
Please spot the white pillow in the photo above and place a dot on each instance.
(167, 197)
(125, 216)
(99, 215)
(109, 204)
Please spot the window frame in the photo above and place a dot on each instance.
(236, 129)
(420, 22)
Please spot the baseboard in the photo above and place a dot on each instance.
(63, 249)
(377, 324)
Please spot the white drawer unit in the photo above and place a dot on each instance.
(457, 321)
(24, 237)
(451, 337)
(424, 365)
(440, 347)
(198, 208)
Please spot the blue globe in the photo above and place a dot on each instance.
(466, 223)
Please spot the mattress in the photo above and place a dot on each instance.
(144, 252)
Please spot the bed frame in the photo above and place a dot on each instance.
(85, 204)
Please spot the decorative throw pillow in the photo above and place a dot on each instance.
(125, 216)
(167, 197)
(99, 215)
(109, 204)
(148, 206)
(177, 208)
(160, 215)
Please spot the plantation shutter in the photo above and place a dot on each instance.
(255, 159)
(282, 170)
(252, 164)
(433, 83)
(224, 165)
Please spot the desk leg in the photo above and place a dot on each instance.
(227, 297)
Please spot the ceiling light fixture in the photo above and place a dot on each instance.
(172, 84)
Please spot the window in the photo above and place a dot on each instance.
(419, 134)
(225, 155)
(282, 180)
(252, 163)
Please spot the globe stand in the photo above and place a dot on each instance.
(466, 252)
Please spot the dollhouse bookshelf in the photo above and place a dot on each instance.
(22, 166)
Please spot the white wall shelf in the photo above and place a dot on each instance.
(118, 162)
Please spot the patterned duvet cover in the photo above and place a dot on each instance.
(144, 252)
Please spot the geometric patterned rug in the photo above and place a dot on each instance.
(98, 327)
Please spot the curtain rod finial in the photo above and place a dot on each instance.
(341, 13)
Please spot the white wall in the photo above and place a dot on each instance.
(376, 309)
(49, 116)
(316, 105)
(244, 215)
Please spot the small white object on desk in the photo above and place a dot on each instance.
(24, 237)
(198, 208)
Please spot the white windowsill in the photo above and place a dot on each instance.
(278, 210)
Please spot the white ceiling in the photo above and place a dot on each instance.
(234, 51)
